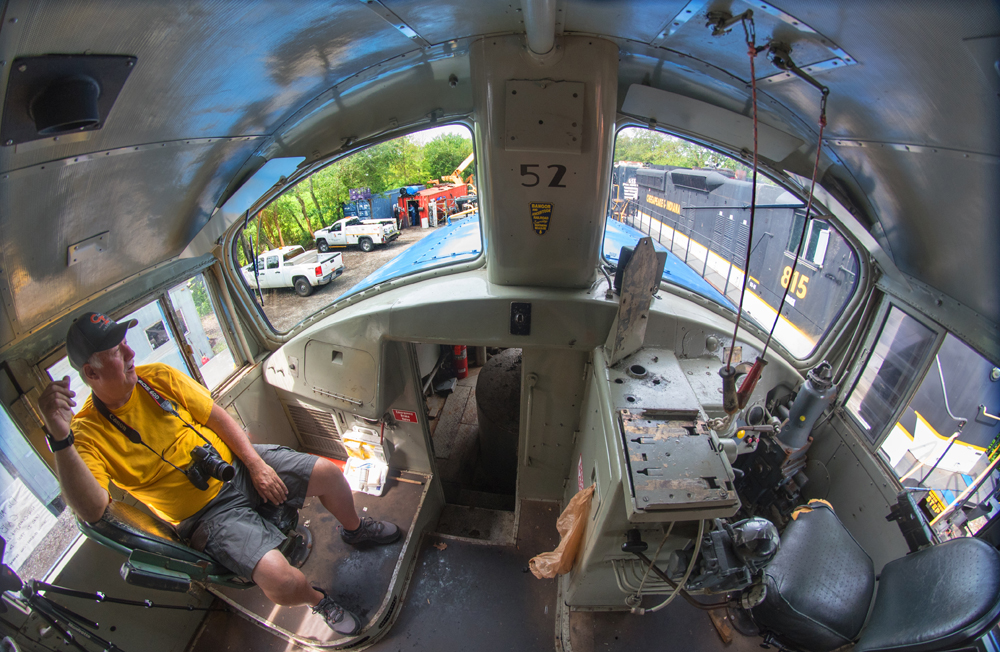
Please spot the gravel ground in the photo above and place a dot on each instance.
(284, 308)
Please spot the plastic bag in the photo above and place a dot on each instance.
(571, 525)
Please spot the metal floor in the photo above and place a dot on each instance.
(467, 596)
(359, 578)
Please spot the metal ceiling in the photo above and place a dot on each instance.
(912, 139)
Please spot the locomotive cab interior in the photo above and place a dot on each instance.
(732, 314)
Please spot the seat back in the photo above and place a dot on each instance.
(939, 598)
(819, 585)
(158, 559)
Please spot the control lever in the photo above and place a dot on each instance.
(750, 382)
(730, 399)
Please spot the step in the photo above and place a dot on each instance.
(490, 526)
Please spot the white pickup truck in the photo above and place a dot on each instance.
(354, 231)
(294, 267)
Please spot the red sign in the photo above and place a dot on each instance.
(404, 415)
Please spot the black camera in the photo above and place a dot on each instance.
(206, 463)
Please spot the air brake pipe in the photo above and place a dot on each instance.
(539, 24)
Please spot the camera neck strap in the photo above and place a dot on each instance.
(131, 433)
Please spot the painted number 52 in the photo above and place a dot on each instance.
(799, 282)
(533, 177)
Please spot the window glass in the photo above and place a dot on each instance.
(202, 330)
(902, 345)
(33, 518)
(392, 209)
(940, 440)
(694, 202)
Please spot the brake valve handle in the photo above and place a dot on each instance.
(750, 382)
(730, 399)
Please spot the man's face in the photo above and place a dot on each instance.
(114, 374)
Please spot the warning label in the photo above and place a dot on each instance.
(404, 415)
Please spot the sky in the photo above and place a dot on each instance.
(430, 134)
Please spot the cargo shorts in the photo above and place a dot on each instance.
(229, 529)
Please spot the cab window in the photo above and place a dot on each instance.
(694, 203)
(380, 213)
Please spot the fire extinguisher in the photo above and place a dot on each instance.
(461, 361)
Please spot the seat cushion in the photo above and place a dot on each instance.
(129, 528)
(935, 599)
(819, 585)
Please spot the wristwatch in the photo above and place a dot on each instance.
(57, 445)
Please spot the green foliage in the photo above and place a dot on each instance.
(445, 153)
(318, 201)
(200, 296)
(647, 146)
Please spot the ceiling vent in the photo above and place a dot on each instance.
(58, 94)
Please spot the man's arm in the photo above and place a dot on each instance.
(264, 478)
(85, 496)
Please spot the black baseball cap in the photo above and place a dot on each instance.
(93, 332)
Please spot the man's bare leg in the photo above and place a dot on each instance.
(287, 586)
(329, 484)
(282, 583)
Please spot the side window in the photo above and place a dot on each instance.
(385, 194)
(902, 346)
(272, 262)
(694, 203)
(33, 518)
(945, 437)
(203, 332)
(206, 356)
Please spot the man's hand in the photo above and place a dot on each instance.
(56, 403)
(267, 483)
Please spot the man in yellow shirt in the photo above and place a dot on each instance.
(155, 433)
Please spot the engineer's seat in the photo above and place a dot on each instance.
(820, 586)
(159, 559)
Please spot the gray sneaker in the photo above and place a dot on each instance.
(371, 531)
(339, 619)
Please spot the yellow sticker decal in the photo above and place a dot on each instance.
(541, 213)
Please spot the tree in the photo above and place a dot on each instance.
(445, 153)
(652, 147)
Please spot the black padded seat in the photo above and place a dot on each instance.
(819, 585)
(128, 528)
(935, 599)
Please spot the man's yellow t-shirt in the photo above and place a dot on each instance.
(111, 456)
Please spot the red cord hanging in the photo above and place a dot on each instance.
(733, 399)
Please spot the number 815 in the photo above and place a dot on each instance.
(799, 281)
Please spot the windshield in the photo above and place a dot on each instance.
(694, 203)
(392, 209)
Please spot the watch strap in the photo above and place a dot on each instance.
(58, 445)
